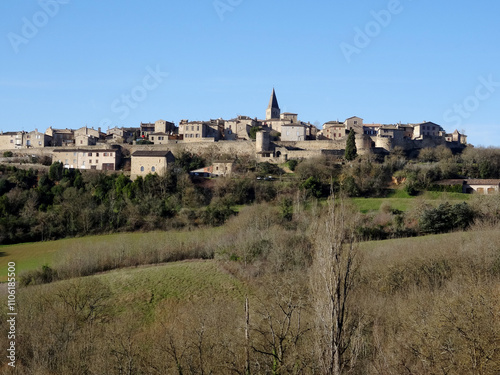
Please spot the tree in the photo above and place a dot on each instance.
(56, 171)
(350, 147)
(253, 132)
(334, 274)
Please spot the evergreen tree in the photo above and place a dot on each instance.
(350, 147)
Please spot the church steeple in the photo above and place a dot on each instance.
(273, 110)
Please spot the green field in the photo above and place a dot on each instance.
(29, 256)
(400, 200)
(146, 288)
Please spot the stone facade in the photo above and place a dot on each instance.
(217, 169)
(61, 137)
(10, 140)
(145, 162)
(293, 132)
(88, 158)
(197, 131)
(238, 128)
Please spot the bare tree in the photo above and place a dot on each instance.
(333, 279)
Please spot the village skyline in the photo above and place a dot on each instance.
(388, 61)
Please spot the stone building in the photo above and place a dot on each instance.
(10, 140)
(239, 128)
(61, 137)
(38, 139)
(145, 162)
(197, 131)
(221, 168)
(294, 132)
(88, 158)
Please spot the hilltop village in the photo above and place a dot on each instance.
(277, 138)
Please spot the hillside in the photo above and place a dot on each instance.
(189, 316)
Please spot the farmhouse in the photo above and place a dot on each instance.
(475, 185)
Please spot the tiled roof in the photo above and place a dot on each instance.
(151, 153)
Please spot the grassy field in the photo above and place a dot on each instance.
(400, 200)
(29, 256)
(146, 288)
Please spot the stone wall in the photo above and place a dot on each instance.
(216, 149)
(314, 145)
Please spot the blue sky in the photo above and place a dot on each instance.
(70, 63)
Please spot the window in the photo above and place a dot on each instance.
(152, 138)
(153, 169)
(355, 122)
(105, 154)
(96, 161)
(96, 154)
(197, 136)
(142, 169)
(11, 141)
(110, 154)
(81, 141)
(192, 127)
(89, 154)
(198, 128)
(39, 143)
(90, 161)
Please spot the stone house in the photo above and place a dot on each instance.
(475, 185)
(61, 137)
(88, 158)
(481, 186)
(38, 139)
(159, 138)
(239, 128)
(456, 136)
(162, 126)
(11, 140)
(197, 131)
(427, 129)
(217, 169)
(294, 132)
(353, 122)
(122, 135)
(145, 162)
(333, 130)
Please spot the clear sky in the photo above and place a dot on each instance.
(70, 63)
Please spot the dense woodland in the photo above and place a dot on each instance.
(303, 292)
(39, 206)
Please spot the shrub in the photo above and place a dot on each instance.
(446, 217)
(292, 164)
(8, 154)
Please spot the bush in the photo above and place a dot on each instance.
(8, 154)
(292, 164)
(446, 217)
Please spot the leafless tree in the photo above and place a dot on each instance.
(333, 279)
